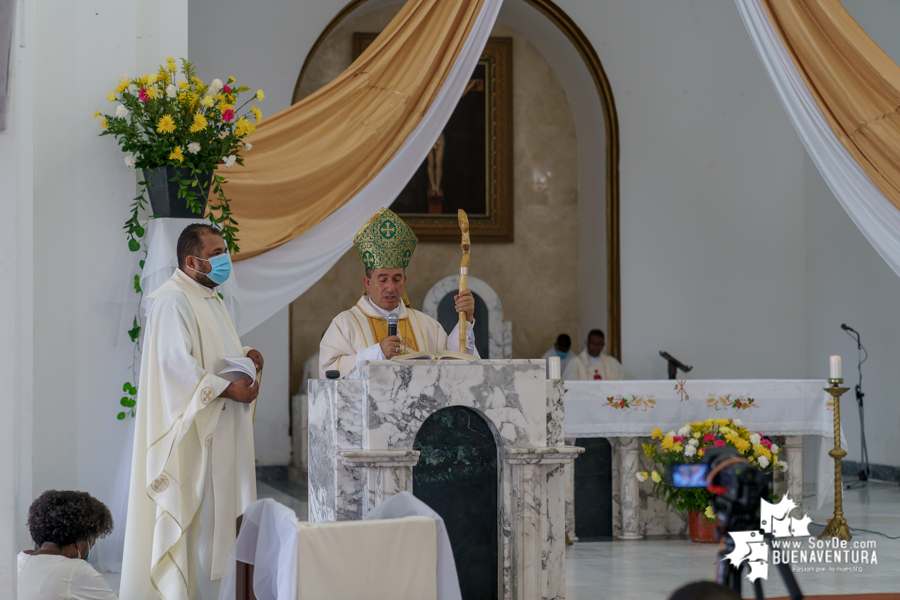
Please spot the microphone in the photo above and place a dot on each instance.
(392, 319)
(847, 328)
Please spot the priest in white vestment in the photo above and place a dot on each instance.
(593, 363)
(562, 348)
(193, 467)
(385, 245)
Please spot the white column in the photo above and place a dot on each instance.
(386, 473)
(631, 503)
(793, 445)
(16, 298)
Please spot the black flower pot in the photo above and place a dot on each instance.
(164, 200)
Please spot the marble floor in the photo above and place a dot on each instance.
(651, 569)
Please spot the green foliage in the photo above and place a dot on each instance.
(187, 124)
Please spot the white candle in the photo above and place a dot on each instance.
(835, 367)
(553, 367)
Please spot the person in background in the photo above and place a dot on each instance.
(593, 363)
(704, 590)
(64, 525)
(563, 349)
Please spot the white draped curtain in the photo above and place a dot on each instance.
(869, 208)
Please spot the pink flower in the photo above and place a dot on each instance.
(709, 437)
(228, 115)
(719, 444)
(226, 89)
(678, 438)
(143, 95)
(767, 443)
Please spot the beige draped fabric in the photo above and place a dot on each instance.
(312, 158)
(855, 84)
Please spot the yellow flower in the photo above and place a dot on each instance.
(742, 445)
(111, 97)
(123, 85)
(760, 450)
(243, 127)
(151, 79)
(152, 92)
(197, 80)
(207, 101)
(258, 114)
(678, 447)
(183, 85)
(170, 65)
(700, 453)
(708, 513)
(230, 79)
(103, 124)
(697, 435)
(199, 123)
(144, 79)
(657, 433)
(222, 107)
(176, 154)
(667, 443)
(97, 114)
(166, 125)
(260, 95)
(655, 477)
(721, 422)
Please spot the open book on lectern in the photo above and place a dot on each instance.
(445, 355)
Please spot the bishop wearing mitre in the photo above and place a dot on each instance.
(193, 468)
(385, 244)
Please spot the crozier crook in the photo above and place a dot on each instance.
(463, 274)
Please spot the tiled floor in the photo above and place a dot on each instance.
(652, 569)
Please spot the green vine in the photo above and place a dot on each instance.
(161, 121)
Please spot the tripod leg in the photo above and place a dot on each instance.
(790, 582)
(758, 590)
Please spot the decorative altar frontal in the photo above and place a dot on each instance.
(625, 411)
(361, 434)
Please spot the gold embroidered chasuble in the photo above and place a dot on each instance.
(193, 468)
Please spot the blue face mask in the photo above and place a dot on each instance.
(221, 268)
(562, 354)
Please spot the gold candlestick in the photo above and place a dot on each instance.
(837, 525)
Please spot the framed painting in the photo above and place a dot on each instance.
(470, 165)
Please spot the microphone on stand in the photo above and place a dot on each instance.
(845, 327)
(864, 449)
(393, 319)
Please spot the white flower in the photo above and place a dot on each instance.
(693, 442)
(121, 111)
(215, 85)
(671, 434)
(774, 448)
(783, 466)
(193, 147)
(248, 146)
(642, 477)
(171, 91)
(229, 161)
(737, 422)
(123, 78)
(725, 429)
(690, 450)
(755, 438)
(763, 461)
(129, 161)
(685, 431)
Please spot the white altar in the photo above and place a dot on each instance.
(361, 434)
(625, 411)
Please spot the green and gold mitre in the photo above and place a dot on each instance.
(385, 241)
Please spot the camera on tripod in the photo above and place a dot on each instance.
(738, 489)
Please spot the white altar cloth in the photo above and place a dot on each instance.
(780, 407)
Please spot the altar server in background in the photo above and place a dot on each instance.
(593, 362)
(563, 349)
(193, 467)
(385, 244)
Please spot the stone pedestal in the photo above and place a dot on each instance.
(361, 434)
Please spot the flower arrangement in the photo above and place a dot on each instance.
(171, 118)
(164, 119)
(690, 443)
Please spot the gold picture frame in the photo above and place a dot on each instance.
(470, 166)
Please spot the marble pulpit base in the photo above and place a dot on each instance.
(361, 435)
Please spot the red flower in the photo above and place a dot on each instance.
(143, 95)
(623, 404)
(767, 443)
(228, 115)
(226, 89)
(678, 438)
(719, 444)
(709, 437)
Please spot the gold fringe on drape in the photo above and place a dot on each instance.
(310, 159)
(855, 84)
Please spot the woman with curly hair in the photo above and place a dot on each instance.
(64, 525)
